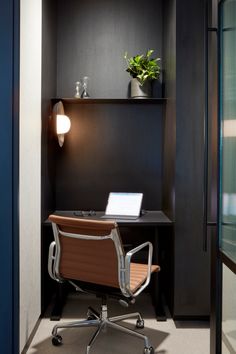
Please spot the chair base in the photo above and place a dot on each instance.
(94, 319)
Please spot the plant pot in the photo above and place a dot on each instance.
(141, 91)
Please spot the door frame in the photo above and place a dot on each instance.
(218, 257)
(216, 261)
(9, 176)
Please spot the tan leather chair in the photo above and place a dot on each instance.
(90, 255)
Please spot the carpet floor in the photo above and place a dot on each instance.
(167, 337)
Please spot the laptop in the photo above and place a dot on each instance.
(123, 206)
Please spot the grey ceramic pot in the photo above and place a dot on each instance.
(141, 91)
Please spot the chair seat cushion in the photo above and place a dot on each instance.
(138, 274)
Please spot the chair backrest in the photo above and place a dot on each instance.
(87, 250)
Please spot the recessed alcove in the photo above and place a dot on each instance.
(156, 146)
(115, 143)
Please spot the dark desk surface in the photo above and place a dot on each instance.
(150, 218)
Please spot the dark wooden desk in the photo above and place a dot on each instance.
(153, 219)
(149, 218)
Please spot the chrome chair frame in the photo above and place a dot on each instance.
(102, 320)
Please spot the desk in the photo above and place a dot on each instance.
(150, 218)
(154, 219)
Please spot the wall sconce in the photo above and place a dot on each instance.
(63, 123)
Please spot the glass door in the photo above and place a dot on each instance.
(227, 207)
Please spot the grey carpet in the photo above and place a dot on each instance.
(166, 337)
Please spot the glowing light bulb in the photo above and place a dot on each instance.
(63, 126)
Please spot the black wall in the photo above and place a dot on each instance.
(192, 263)
(169, 134)
(110, 147)
(169, 78)
(49, 81)
(93, 37)
(48, 150)
(184, 161)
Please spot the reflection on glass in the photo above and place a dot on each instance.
(228, 312)
(228, 137)
(229, 128)
(227, 220)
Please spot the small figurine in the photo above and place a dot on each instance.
(85, 86)
(77, 89)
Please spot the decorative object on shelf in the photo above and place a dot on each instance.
(85, 86)
(143, 69)
(63, 123)
(140, 91)
(77, 89)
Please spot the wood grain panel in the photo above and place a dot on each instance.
(192, 264)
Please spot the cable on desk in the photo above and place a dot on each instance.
(83, 213)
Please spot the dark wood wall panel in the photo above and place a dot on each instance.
(169, 77)
(49, 80)
(169, 135)
(192, 271)
(110, 148)
(93, 37)
(48, 149)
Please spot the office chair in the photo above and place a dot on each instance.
(89, 255)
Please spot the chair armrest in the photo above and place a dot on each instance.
(51, 261)
(128, 258)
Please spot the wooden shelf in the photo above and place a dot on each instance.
(110, 100)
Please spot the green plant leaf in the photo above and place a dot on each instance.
(149, 52)
(142, 66)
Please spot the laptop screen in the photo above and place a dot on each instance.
(124, 204)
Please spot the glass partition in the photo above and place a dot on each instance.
(227, 220)
(228, 129)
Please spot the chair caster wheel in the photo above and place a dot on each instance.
(140, 324)
(57, 340)
(148, 350)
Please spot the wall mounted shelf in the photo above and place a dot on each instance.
(110, 100)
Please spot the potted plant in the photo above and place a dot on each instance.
(143, 69)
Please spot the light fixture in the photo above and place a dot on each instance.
(62, 122)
